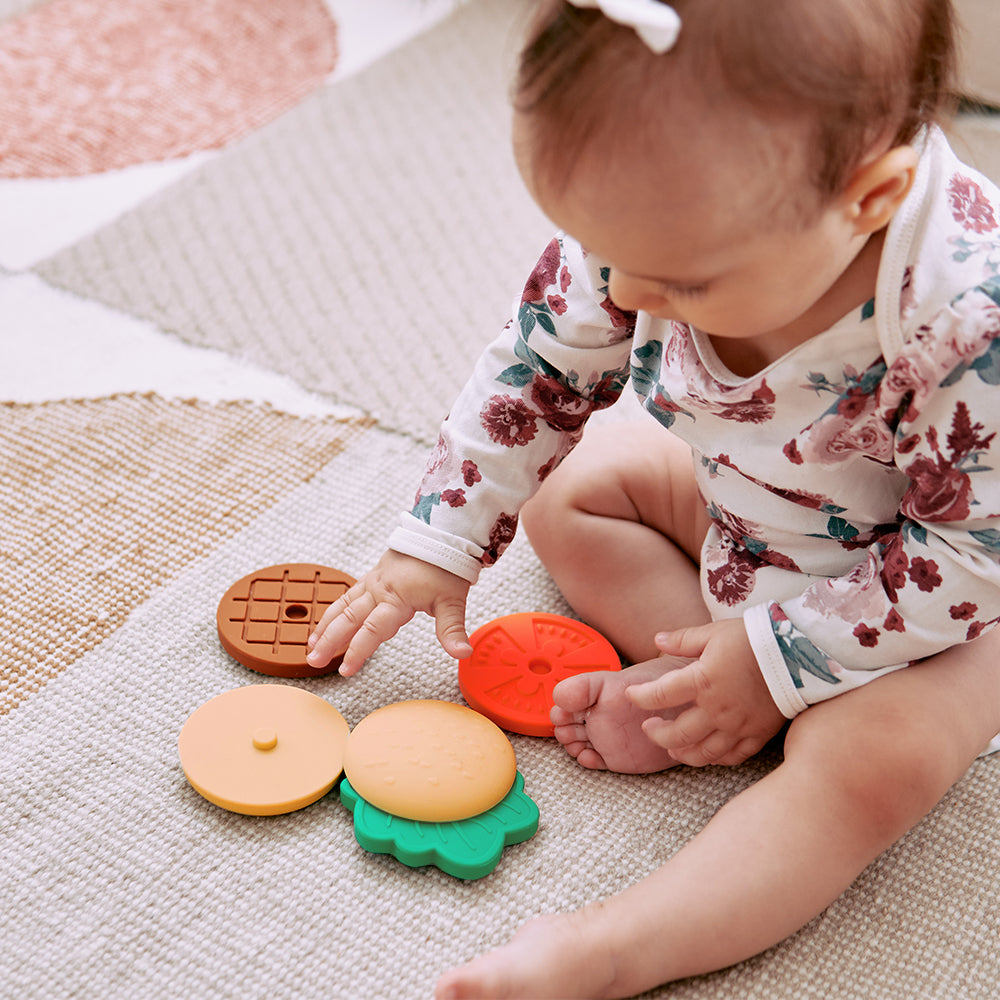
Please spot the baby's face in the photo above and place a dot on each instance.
(689, 237)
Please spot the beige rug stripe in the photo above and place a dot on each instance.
(103, 500)
(368, 243)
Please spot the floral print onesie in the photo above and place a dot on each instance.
(853, 485)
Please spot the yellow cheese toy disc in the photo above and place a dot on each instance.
(432, 761)
(263, 750)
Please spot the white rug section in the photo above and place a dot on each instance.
(59, 346)
(42, 216)
(368, 30)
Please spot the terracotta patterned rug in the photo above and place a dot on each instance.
(236, 294)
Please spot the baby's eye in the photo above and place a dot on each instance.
(684, 291)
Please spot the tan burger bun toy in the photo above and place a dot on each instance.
(435, 783)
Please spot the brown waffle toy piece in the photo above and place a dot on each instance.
(265, 618)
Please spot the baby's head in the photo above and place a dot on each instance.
(733, 181)
(828, 80)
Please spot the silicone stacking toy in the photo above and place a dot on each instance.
(429, 760)
(435, 783)
(265, 618)
(518, 659)
(263, 750)
(467, 849)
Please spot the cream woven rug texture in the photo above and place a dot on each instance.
(362, 244)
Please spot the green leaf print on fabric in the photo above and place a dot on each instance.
(517, 376)
(601, 392)
(532, 313)
(645, 368)
(800, 655)
(986, 366)
(992, 288)
(425, 505)
(646, 365)
(989, 537)
(839, 528)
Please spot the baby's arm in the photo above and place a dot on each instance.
(384, 600)
(520, 413)
(731, 714)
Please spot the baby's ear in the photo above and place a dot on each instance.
(879, 187)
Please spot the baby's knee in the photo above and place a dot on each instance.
(543, 518)
(887, 767)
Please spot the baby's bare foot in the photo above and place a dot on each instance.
(597, 723)
(551, 956)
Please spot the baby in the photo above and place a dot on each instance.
(762, 227)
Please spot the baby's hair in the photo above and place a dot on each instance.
(859, 72)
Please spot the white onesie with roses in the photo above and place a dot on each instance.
(853, 485)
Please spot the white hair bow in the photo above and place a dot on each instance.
(655, 23)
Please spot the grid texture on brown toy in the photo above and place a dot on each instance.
(265, 618)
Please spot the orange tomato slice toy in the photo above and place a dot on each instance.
(518, 659)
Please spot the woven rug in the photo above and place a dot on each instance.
(330, 237)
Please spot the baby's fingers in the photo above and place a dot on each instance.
(381, 624)
(449, 623)
(339, 624)
(719, 748)
(670, 690)
(688, 730)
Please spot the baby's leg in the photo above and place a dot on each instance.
(858, 772)
(619, 525)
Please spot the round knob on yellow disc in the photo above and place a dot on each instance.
(264, 750)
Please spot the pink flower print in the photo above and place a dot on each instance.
(565, 279)
(853, 403)
(852, 598)
(974, 631)
(792, 453)
(438, 457)
(894, 565)
(755, 410)
(963, 611)
(567, 443)
(508, 421)
(620, 319)
(544, 274)
(866, 635)
(911, 375)
(937, 491)
(779, 559)
(732, 582)
(560, 408)
(470, 473)
(835, 439)
(974, 322)
(894, 622)
(969, 205)
(453, 498)
(557, 304)
(924, 573)
(501, 535)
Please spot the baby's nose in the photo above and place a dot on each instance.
(632, 294)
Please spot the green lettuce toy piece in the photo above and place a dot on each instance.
(467, 848)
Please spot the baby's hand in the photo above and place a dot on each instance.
(384, 600)
(730, 713)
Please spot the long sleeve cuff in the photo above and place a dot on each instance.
(412, 537)
(771, 662)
